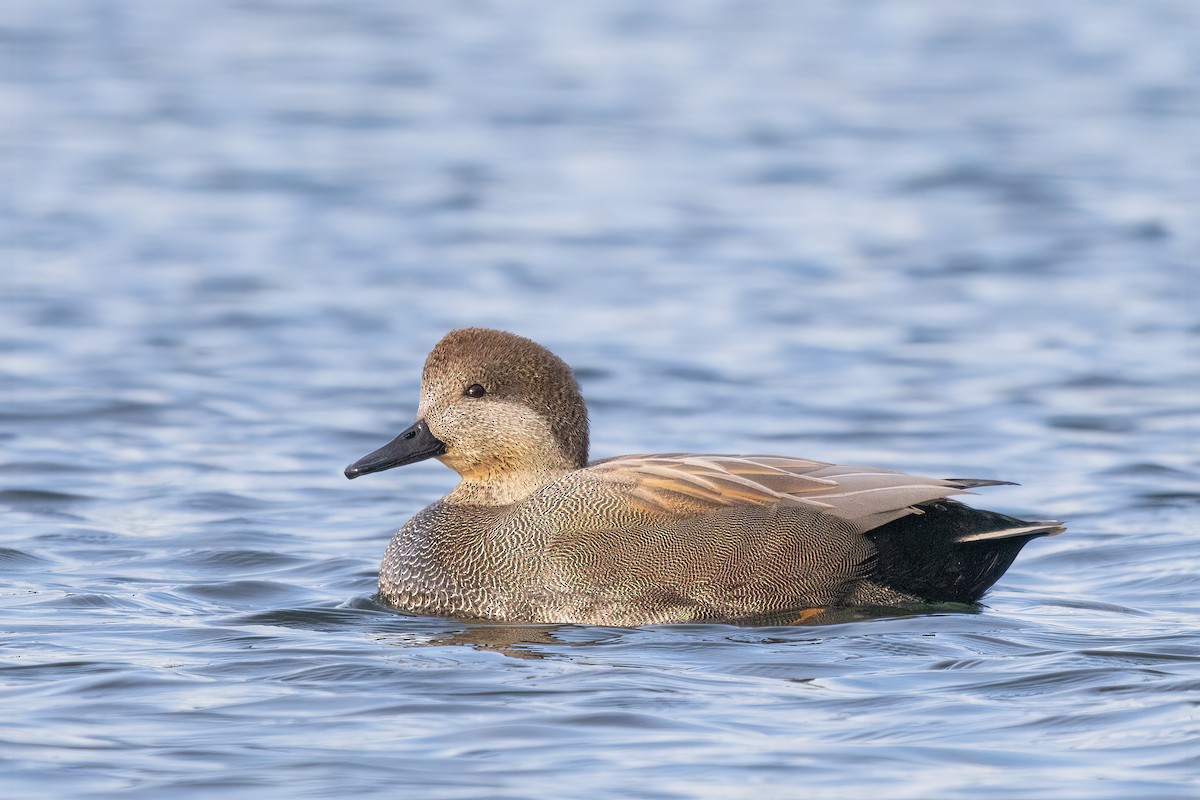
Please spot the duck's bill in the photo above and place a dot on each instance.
(416, 443)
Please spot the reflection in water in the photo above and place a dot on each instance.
(817, 617)
(509, 640)
(519, 641)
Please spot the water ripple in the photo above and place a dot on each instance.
(870, 232)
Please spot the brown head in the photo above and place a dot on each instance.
(500, 410)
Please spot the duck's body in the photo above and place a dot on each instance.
(534, 533)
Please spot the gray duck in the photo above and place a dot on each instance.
(535, 532)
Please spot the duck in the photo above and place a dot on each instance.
(536, 532)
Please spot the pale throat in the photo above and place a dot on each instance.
(502, 488)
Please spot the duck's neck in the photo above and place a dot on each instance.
(503, 488)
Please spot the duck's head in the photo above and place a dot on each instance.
(496, 408)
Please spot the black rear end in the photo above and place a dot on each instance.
(921, 555)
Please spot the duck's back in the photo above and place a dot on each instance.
(626, 543)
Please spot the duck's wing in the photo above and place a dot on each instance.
(683, 483)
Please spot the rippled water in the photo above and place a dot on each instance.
(950, 238)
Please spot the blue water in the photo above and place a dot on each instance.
(948, 238)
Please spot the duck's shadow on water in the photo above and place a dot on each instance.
(527, 641)
(522, 641)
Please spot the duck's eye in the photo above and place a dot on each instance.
(475, 390)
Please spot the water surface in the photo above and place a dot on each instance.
(949, 239)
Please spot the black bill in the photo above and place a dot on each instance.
(415, 444)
